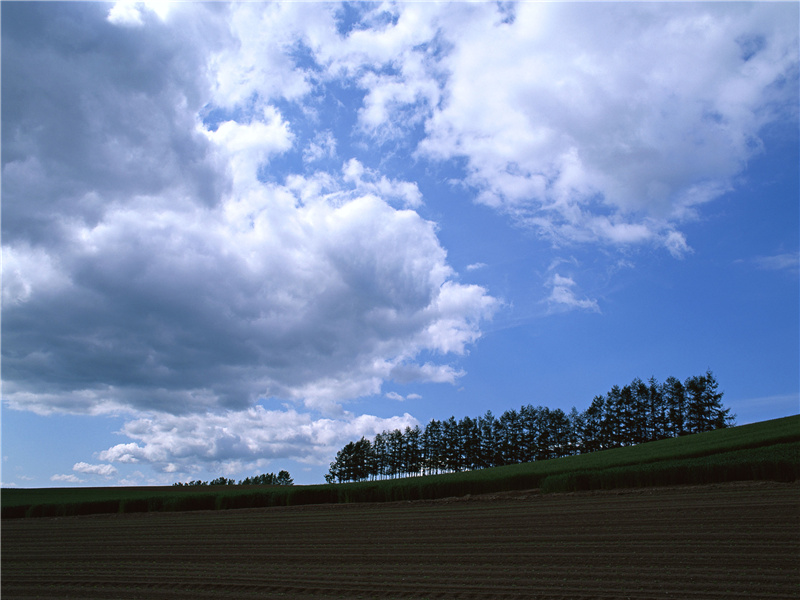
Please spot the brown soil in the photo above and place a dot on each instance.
(717, 541)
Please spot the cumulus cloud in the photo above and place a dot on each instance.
(173, 443)
(584, 136)
(178, 245)
(176, 278)
(265, 296)
(368, 181)
(127, 14)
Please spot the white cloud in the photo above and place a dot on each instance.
(258, 62)
(67, 478)
(322, 146)
(368, 181)
(476, 266)
(401, 398)
(563, 298)
(789, 261)
(102, 470)
(188, 284)
(150, 272)
(28, 271)
(176, 443)
(246, 146)
(676, 243)
(584, 136)
(126, 13)
(267, 295)
(617, 139)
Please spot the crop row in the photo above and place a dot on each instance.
(720, 541)
(780, 462)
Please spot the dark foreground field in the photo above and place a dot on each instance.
(737, 540)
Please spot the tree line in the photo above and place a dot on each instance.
(282, 478)
(633, 414)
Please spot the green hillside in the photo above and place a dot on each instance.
(769, 450)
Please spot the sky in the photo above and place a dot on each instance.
(237, 236)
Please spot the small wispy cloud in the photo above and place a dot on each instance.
(103, 470)
(563, 297)
(323, 146)
(476, 266)
(789, 261)
(66, 478)
(401, 398)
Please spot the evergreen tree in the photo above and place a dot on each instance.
(674, 394)
(488, 444)
(395, 447)
(633, 414)
(659, 419)
(470, 443)
(704, 411)
(576, 429)
(594, 434)
(452, 445)
(432, 447)
(380, 456)
(284, 478)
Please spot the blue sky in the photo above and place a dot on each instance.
(236, 237)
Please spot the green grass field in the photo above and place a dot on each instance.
(761, 451)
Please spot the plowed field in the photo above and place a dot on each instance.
(720, 541)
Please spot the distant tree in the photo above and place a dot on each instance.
(594, 434)
(575, 429)
(529, 421)
(704, 411)
(433, 447)
(332, 476)
(284, 478)
(222, 481)
(641, 415)
(674, 395)
(379, 457)
(488, 443)
(632, 414)
(360, 460)
(659, 418)
(413, 450)
(451, 442)
(395, 447)
(511, 437)
(470, 442)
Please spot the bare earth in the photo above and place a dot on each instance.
(718, 541)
